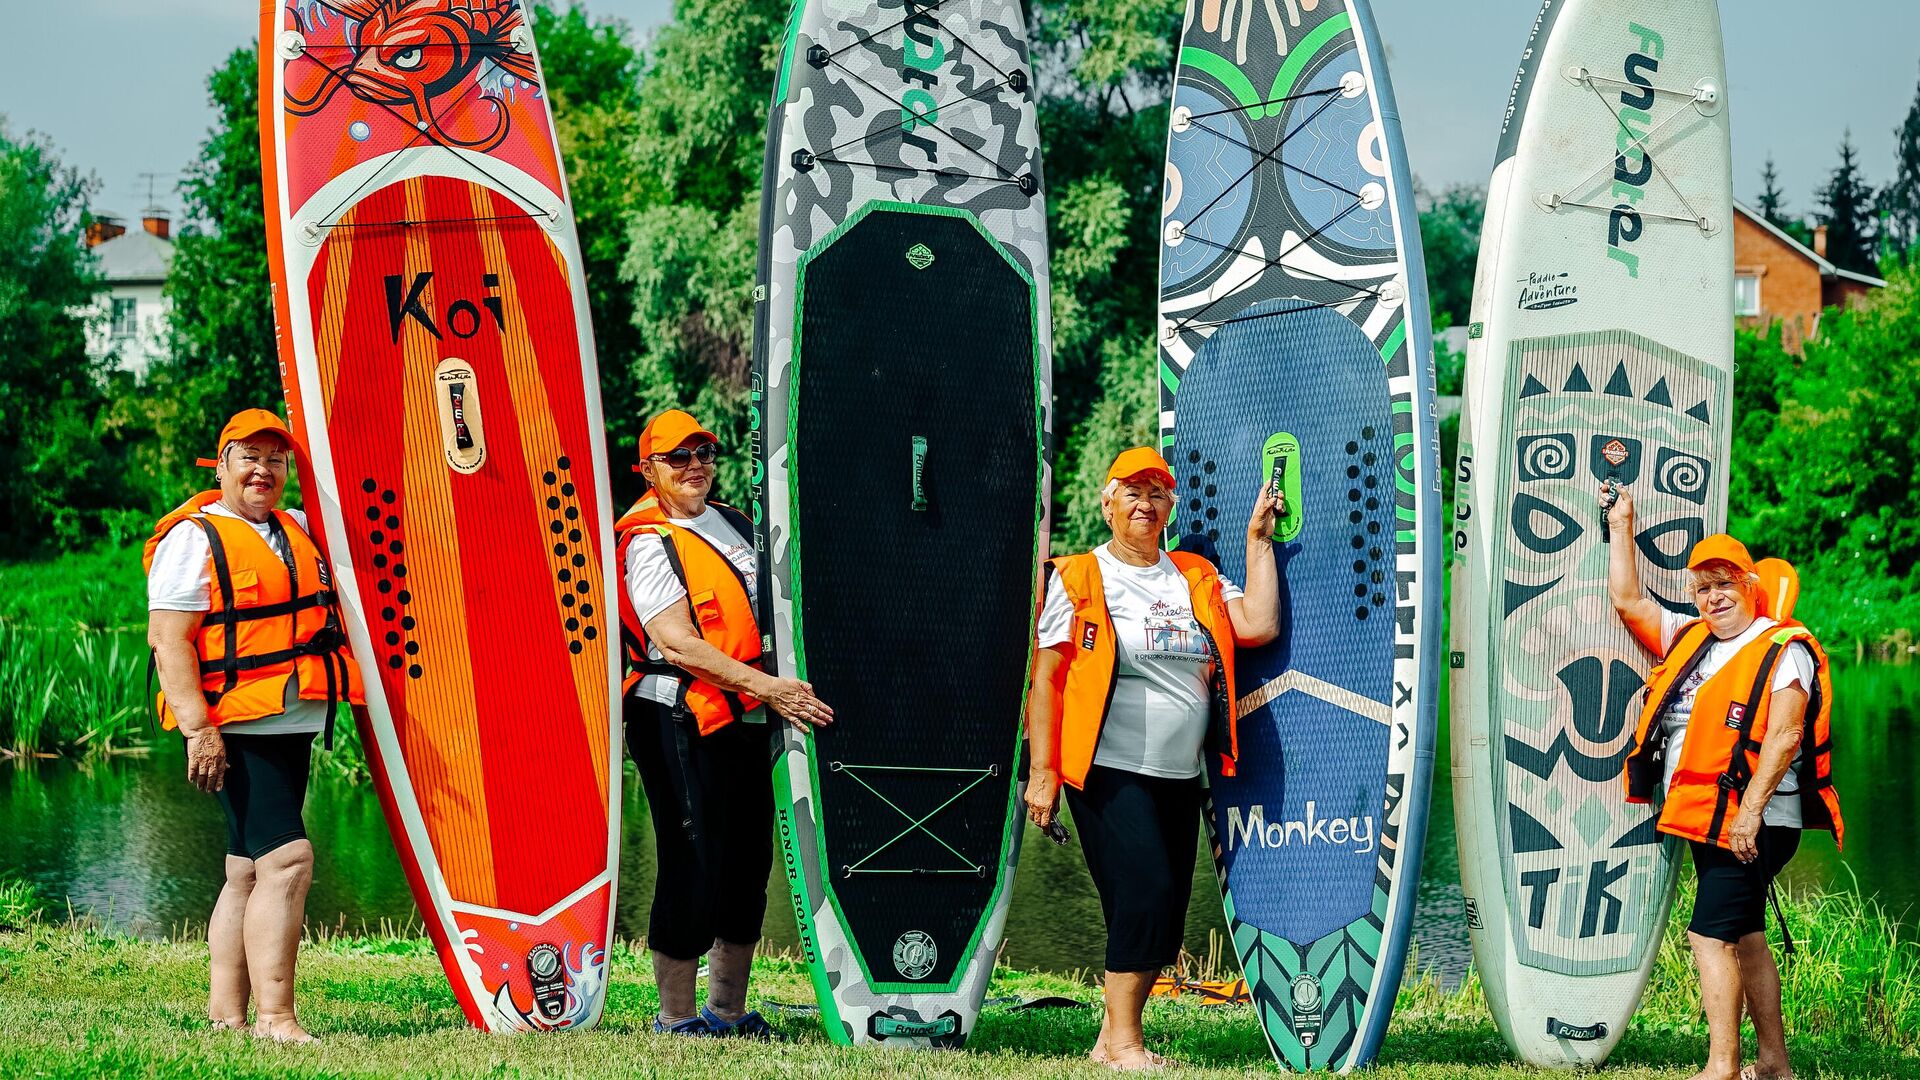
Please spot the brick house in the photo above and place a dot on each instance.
(1778, 279)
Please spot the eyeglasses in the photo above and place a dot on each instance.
(680, 457)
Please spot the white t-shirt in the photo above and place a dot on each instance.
(653, 587)
(182, 580)
(1795, 667)
(1157, 720)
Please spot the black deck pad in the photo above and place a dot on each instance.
(914, 623)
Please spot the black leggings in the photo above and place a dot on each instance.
(266, 786)
(1139, 834)
(711, 799)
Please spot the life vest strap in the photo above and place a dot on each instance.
(1738, 773)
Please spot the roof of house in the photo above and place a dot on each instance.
(1827, 269)
(134, 257)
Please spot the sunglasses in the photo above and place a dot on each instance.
(680, 457)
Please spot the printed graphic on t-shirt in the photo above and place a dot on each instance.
(1172, 633)
(741, 556)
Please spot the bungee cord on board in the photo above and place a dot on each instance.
(1700, 98)
(918, 824)
(1179, 232)
(819, 56)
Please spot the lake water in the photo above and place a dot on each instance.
(131, 842)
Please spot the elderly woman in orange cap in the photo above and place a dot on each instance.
(696, 715)
(251, 661)
(1734, 732)
(1133, 677)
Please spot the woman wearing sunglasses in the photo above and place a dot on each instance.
(1133, 675)
(696, 699)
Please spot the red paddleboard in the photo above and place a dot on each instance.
(439, 371)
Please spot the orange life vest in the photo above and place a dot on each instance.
(721, 607)
(1080, 706)
(271, 619)
(1725, 732)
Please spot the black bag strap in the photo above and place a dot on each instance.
(1738, 772)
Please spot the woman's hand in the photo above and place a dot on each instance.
(1267, 508)
(1744, 837)
(207, 759)
(794, 700)
(1043, 795)
(1620, 514)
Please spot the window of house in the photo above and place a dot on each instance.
(1746, 294)
(126, 320)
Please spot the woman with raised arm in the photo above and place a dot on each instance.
(1734, 735)
(1133, 681)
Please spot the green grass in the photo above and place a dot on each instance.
(77, 1000)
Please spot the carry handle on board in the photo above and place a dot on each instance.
(1279, 458)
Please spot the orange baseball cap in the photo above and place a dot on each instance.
(1722, 547)
(668, 430)
(1140, 459)
(245, 425)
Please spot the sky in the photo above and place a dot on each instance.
(119, 86)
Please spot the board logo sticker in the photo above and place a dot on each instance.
(549, 989)
(1615, 452)
(914, 954)
(1307, 1017)
(461, 433)
(1473, 914)
(920, 255)
(1560, 1029)
(1736, 715)
(1544, 292)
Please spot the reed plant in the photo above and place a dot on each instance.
(70, 693)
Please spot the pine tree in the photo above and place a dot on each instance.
(1847, 211)
(1900, 202)
(1773, 202)
(1773, 206)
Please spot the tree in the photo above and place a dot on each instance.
(56, 476)
(1900, 202)
(592, 80)
(1773, 202)
(700, 136)
(1847, 211)
(1106, 74)
(1450, 232)
(221, 344)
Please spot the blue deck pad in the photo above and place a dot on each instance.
(1315, 375)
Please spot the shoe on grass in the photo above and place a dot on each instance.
(695, 1026)
(750, 1026)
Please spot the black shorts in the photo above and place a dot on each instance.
(265, 788)
(711, 800)
(1733, 895)
(1139, 834)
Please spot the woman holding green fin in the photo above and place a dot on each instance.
(1132, 675)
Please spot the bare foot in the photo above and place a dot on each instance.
(228, 1024)
(1764, 1070)
(1134, 1059)
(1711, 1073)
(283, 1030)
